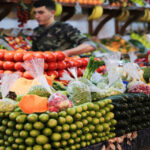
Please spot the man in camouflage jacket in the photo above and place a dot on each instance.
(52, 35)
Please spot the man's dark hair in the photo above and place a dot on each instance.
(50, 4)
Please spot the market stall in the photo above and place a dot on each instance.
(98, 100)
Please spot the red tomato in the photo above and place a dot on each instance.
(2, 53)
(1, 64)
(28, 56)
(77, 63)
(80, 72)
(60, 55)
(55, 73)
(52, 66)
(9, 55)
(18, 66)
(27, 75)
(69, 63)
(85, 61)
(49, 56)
(61, 65)
(61, 72)
(18, 56)
(8, 65)
(39, 55)
(45, 66)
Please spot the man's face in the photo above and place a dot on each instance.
(43, 15)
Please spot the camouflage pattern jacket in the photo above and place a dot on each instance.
(58, 36)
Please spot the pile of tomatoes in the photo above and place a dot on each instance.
(55, 63)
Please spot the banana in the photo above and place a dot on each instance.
(144, 17)
(148, 17)
(58, 10)
(127, 14)
(121, 16)
(97, 12)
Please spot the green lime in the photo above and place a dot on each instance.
(78, 109)
(19, 126)
(41, 139)
(85, 122)
(78, 139)
(56, 144)
(29, 141)
(37, 147)
(2, 141)
(22, 147)
(56, 137)
(47, 146)
(38, 125)
(15, 146)
(47, 131)
(83, 137)
(99, 128)
(74, 135)
(77, 146)
(84, 107)
(89, 119)
(91, 127)
(9, 131)
(23, 134)
(110, 106)
(98, 114)
(84, 114)
(58, 128)
(107, 109)
(90, 106)
(65, 135)
(71, 141)
(29, 148)
(8, 148)
(94, 134)
(88, 136)
(95, 121)
(98, 140)
(79, 132)
(77, 116)
(11, 124)
(71, 111)
(53, 115)
(4, 122)
(83, 144)
(93, 141)
(88, 143)
(65, 127)
(21, 118)
(6, 143)
(2, 147)
(105, 126)
(101, 120)
(16, 133)
(96, 107)
(113, 122)
(44, 117)
(2, 128)
(52, 123)
(19, 140)
(73, 147)
(92, 113)
(63, 143)
(101, 104)
(13, 115)
(85, 130)
(1, 115)
(32, 118)
(5, 137)
(61, 120)
(73, 127)
(110, 115)
(69, 119)
(28, 126)
(34, 133)
(62, 113)
(79, 124)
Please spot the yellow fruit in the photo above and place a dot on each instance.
(59, 9)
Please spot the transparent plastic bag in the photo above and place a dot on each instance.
(78, 8)
(58, 102)
(132, 56)
(35, 67)
(78, 91)
(7, 104)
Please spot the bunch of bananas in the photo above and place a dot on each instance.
(58, 9)
(97, 12)
(146, 16)
(124, 15)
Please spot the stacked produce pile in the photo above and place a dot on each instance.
(132, 112)
(73, 128)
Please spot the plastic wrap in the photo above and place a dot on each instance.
(35, 67)
(132, 56)
(78, 91)
(58, 102)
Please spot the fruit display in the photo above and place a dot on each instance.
(131, 111)
(121, 3)
(118, 44)
(74, 128)
(17, 42)
(125, 14)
